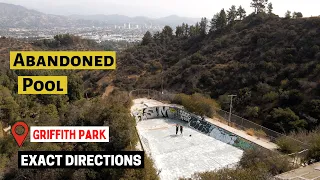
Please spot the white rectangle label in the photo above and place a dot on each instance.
(69, 134)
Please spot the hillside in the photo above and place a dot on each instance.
(72, 109)
(271, 63)
(60, 42)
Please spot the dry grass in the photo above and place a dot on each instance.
(250, 132)
(260, 133)
(1, 130)
(108, 90)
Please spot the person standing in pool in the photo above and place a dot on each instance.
(181, 129)
(177, 128)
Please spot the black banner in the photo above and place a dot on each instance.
(80, 159)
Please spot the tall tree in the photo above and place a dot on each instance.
(241, 12)
(192, 31)
(156, 36)
(219, 21)
(203, 26)
(232, 14)
(183, 28)
(259, 5)
(179, 31)
(197, 28)
(297, 15)
(270, 8)
(186, 30)
(167, 31)
(147, 38)
(287, 14)
(222, 23)
(213, 22)
(166, 34)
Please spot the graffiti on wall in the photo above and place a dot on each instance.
(194, 122)
(223, 136)
(200, 125)
(183, 115)
(155, 112)
(243, 144)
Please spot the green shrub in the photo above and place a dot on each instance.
(197, 103)
(148, 172)
(286, 120)
(314, 149)
(256, 164)
(288, 145)
(309, 141)
(238, 173)
(252, 111)
(265, 160)
(270, 97)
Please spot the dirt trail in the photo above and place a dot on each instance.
(108, 90)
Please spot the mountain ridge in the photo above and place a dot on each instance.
(16, 16)
(171, 20)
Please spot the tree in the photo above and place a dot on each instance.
(297, 15)
(203, 26)
(66, 39)
(222, 23)
(194, 30)
(186, 30)
(147, 38)
(291, 98)
(167, 31)
(259, 5)
(197, 29)
(179, 31)
(8, 106)
(219, 21)
(183, 27)
(166, 34)
(232, 14)
(241, 12)
(213, 22)
(313, 109)
(252, 111)
(156, 36)
(75, 87)
(286, 120)
(270, 8)
(288, 15)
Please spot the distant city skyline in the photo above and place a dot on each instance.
(159, 8)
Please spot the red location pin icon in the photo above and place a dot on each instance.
(20, 138)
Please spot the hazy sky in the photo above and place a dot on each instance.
(160, 8)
